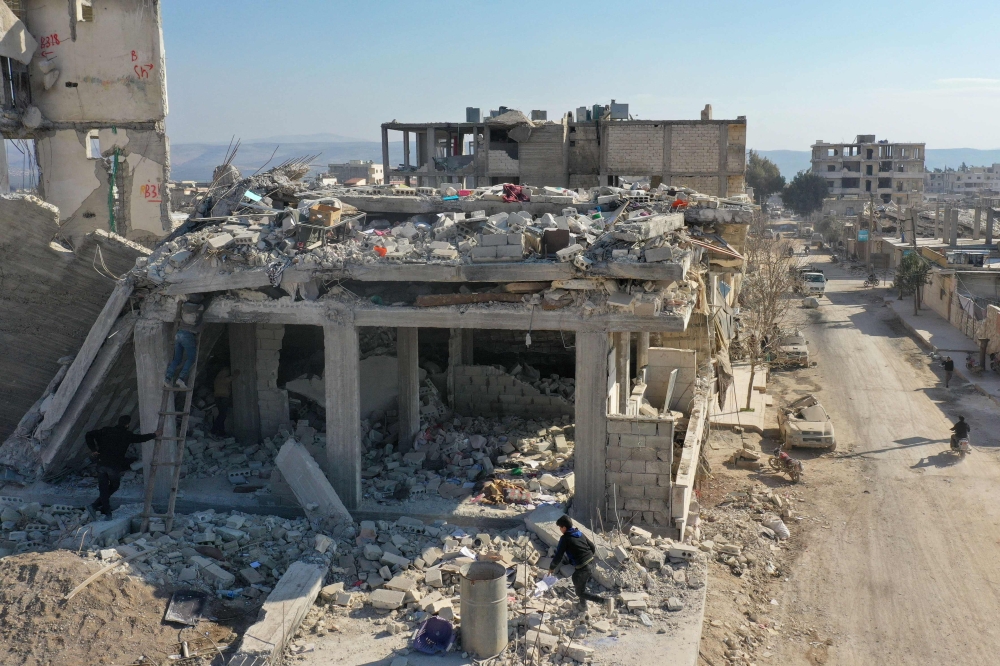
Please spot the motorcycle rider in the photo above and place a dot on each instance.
(961, 430)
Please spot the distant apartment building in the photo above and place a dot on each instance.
(366, 170)
(978, 181)
(598, 145)
(892, 172)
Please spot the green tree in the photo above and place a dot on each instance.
(911, 275)
(805, 194)
(763, 176)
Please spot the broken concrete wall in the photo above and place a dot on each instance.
(661, 362)
(541, 157)
(272, 400)
(76, 181)
(639, 456)
(482, 390)
(111, 69)
(101, 73)
(49, 297)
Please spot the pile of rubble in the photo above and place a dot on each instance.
(745, 533)
(266, 226)
(409, 571)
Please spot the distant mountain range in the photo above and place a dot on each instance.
(790, 162)
(196, 161)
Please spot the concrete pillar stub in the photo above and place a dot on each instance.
(343, 411)
(976, 222)
(592, 350)
(622, 360)
(153, 349)
(407, 355)
(243, 364)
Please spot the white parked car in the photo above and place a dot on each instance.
(793, 349)
(805, 423)
(814, 283)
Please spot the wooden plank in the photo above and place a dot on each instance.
(343, 411)
(88, 352)
(281, 614)
(438, 300)
(526, 287)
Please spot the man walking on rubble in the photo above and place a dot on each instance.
(108, 446)
(186, 340)
(579, 551)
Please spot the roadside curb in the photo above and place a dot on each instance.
(929, 346)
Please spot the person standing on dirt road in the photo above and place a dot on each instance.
(109, 446)
(949, 370)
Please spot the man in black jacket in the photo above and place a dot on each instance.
(108, 447)
(578, 551)
(949, 370)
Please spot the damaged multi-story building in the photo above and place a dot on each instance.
(499, 357)
(84, 90)
(601, 145)
(866, 168)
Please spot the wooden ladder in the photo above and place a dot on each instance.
(168, 405)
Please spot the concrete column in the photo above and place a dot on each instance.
(4, 172)
(343, 411)
(243, 364)
(937, 218)
(641, 351)
(153, 350)
(591, 426)
(385, 153)
(467, 346)
(406, 148)
(272, 401)
(407, 357)
(622, 342)
(989, 226)
(953, 228)
(456, 357)
(976, 222)
(943, 226)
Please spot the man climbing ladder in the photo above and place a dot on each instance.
(186, 341)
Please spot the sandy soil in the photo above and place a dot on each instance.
(896, 560)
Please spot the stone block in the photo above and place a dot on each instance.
(390, 559)
(323, 543)
(492, 240)
(480, 252)
(401, 583)
(331, 592)
(433, 578)
(509, 251)
(387, 599)
(251, 576)
(220, 241)
(218, 575)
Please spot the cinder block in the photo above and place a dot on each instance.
(637, 504)
(655, 492)
(663, 480)
(492, 240)
(643, 454)
(613, 465)
(659, 442)
(509, 251)
(481, 252)
(637, 466)
(619, 426)
(631, 492)
(644, 479)
(631, 441)
(644, 428)
(617, 453)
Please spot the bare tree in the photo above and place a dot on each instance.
(771, 273)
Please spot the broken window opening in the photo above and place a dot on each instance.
(884, 183)
(16, 92)
(84, 11)
(868, 170)
(868, 186)
(831, 167)
(93, 145)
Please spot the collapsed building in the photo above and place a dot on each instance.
(504, 359)
(84, 89)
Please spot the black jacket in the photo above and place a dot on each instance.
(949, 365)
(111, 444)
(577, 549)
(961, 429)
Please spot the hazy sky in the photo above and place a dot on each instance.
(799, 70)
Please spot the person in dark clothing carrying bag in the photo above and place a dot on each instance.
(109, 446)
(579, 551)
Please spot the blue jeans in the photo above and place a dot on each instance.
(185, 345)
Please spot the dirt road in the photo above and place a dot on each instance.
(900, 562)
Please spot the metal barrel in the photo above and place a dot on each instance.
(484, 608)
